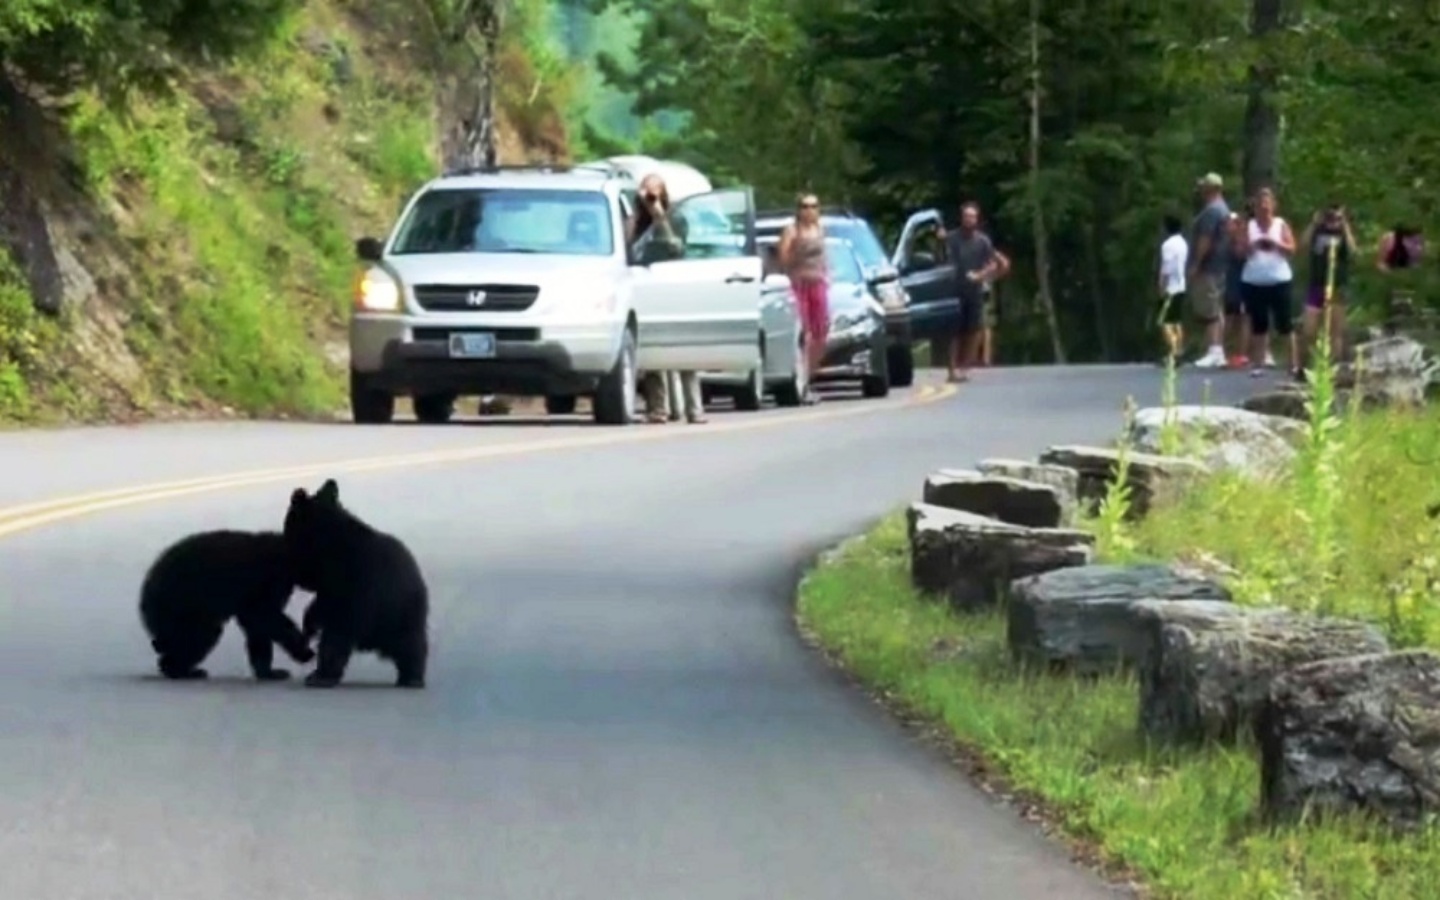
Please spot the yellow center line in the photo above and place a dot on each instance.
(26, 516)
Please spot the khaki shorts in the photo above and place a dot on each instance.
(1207, 297)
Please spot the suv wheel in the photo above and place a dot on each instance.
(791, 392)
(561, 404)
(434, 409)
(750, 396)
(615, 396)
(901, 361)
(877, 383)
(369, 405)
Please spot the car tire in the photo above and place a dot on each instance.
(750, 396)
(369, 405)
(434, 409)
(614, 402)
(877, 384)
(900, 360)
(561, 404)
(791, 391)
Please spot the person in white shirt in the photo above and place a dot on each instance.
(1174, 255)
(1266, 281)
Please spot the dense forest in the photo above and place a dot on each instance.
(1076, 125)
(181, 180)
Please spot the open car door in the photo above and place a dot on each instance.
(700, 311)
(928, 277)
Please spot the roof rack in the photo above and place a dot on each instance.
(824, 211)
(539, 168)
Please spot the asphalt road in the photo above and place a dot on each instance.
(618, 706)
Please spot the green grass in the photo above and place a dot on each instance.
(1384, 550)
(1184, 820)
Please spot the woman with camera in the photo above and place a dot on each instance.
(1265, 281)
(654, 237)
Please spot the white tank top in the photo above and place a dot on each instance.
(1266, 266)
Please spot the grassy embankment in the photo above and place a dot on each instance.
(216, 225)
(1346, 534)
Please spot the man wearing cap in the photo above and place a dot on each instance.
(1209, 261)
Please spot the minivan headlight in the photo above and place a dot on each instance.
(377, 291)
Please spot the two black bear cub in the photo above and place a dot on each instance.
(369, 595)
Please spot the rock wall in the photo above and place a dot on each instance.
(1341, 723)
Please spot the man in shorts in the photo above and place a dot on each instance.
(969, 250)
(1209, 260)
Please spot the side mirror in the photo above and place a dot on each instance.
(369, 249)
(775, 279)
(920, 262)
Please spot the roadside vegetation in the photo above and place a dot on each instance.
(197, 182)
(1344, 533)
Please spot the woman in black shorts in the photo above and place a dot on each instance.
(1266, 280)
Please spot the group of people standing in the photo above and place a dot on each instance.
(654, 234)
(1238, 271)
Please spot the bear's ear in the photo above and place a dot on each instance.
(329, 492)
(298, 497)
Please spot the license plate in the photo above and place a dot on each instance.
(472, 346)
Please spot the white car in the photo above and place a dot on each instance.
(518, 280)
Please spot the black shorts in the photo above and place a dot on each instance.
(1269, 307)
(1234, 298)
(972, 315)
(1172, 309)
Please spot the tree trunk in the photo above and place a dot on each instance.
(1042, 237)
(469, 132)
(1262, 117)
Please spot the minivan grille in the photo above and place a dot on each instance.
(476, 297)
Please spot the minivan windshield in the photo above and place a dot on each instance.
(507, 220)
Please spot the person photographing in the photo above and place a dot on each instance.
(1331, 246)
(655, 236)
(1266, 281)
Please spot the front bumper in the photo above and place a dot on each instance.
(410, 355)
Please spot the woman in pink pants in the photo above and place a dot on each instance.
(802, 254)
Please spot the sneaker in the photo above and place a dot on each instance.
(1210, 361)
(1269, 362)
(1239, 362)
(1257, 372)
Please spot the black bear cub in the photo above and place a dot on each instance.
(201, 582)
(369, 593)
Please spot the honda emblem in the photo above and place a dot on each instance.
(475, 298)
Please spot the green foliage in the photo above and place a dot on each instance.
(898, 106)
(18, 344)
(1344, 533)
(1111, 524)
(113, 45)
(755, 109)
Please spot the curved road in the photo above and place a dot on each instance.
(618, 706)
